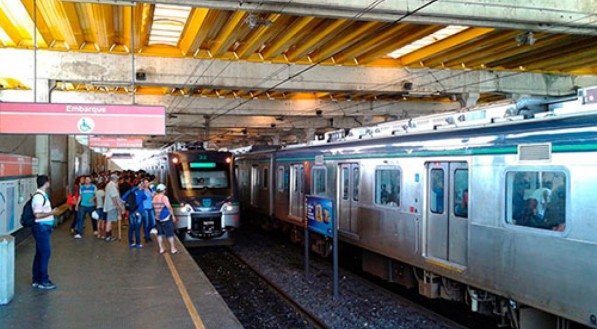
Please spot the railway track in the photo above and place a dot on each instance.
(256, 301)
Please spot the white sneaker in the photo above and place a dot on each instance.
(95, 233)
(78, 236)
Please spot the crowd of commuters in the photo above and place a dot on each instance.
(104, 198)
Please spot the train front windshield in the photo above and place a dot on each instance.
(204, 175)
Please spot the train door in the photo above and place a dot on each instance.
(297, 196)
(254, 185)
(348, 198)
(447, 211)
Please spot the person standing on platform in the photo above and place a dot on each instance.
(148, 214)
(86, 206)
(42, 230)
(99, 203)
(164, 218)
(76, 198)
(112, 205)
(134, 204)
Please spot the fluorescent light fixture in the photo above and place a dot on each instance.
(426, 41)
(168, 23)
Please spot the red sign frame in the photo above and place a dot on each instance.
(81, 119)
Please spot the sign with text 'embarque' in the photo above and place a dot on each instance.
(81, 119)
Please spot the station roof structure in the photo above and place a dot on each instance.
(241, 72)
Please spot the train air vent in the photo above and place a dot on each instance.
(534, 152)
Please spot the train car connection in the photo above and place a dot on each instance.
(493, 207)
(200, 187)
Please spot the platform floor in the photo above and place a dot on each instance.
(107, 285)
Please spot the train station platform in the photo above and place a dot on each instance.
(107, 285)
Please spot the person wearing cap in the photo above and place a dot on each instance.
(164, 218)
(112, 205)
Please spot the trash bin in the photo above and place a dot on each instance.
(7, 269)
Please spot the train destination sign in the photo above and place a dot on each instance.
(81, 119)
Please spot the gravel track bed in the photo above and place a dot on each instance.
(251, 299)
(361, 304)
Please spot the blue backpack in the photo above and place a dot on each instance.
(28, 217)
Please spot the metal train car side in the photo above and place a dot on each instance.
(501, 216)
(200, 185)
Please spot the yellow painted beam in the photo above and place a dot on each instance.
(476, 45)
(161, 51)
(317, 38)
(396, 43)
(72, 19)
(344, 40)
(261, 34)
(585, 54)
(196, 30)
(282, 43)
(512, 50)
(374, 39)
(8, 27)
(229, 33)
(568, 50)
(441, 45)
(42, 26)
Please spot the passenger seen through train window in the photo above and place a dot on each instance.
(437, 191)
(537, 199)
(461, 193)
(387, 187)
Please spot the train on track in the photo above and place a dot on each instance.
(494, 207)
(200, 187)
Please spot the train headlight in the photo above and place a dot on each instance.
(228, 208)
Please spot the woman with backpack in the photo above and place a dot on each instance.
(164, 219)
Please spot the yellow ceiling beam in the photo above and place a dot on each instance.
(318, 37)
(161, 51)
(283, 42)
(483, 44)
(10, 30)
(229, 33)
(586, 64)
(404, 39)
(587, 52)
(441, 45)
(512, 50)
(44, 25)
(344, 40)
(569, 50)
(196, 30)
(371, 41)
(257, 38)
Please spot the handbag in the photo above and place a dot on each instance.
(164, 214)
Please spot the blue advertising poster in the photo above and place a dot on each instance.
(320, 215)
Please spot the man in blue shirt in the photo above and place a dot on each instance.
(42, 229)
(85, 206)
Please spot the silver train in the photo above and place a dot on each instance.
(201, 189)
(497, 212)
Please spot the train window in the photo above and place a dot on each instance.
(345, 183)
(281, 179)
(536, 199)
(461, 193)
(355, 181)
(387, 187)
(265, 178)
(437, 191)
(319, 181)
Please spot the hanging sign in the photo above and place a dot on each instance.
(81, 119)
(115, 142)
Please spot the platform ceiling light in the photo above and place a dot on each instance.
(20, 19)
(168, 23)
(426, 41)
(5, 39)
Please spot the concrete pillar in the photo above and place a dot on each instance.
(72, 154)
(469, 99)
(42, 153)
